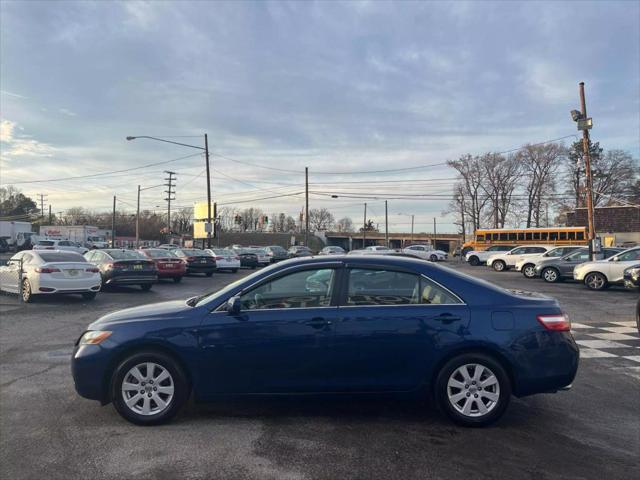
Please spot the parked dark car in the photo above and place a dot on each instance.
(276, 253)
(4, 246)
(557, 269)
(198, 261)
(352, 324)
(299, 251)
(248, 259)
(167, 263)
(123, 267)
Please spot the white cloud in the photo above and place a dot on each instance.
(21, 145)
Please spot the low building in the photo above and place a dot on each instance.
(354, 240)
(616, 225)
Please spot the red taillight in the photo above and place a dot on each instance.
(93, 270)
(236, 258)
(558, 322)
(116, 266)
(47, 270)
(219, 258)
(190, 259)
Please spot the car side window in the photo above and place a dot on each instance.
(535, 250)
(434, 294)
(628, 256)
(303, 289)
(519, 251)
(382, 287)
(27, 258)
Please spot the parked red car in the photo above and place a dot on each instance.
(167, 263)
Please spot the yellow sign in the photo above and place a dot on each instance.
(200, 217)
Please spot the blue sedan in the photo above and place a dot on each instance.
(354, 324)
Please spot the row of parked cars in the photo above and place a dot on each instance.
(425, 252)
(615, 266)
(52, 269)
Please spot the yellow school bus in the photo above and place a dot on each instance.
(486, 237)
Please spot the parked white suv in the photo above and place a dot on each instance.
(61, 245)
(504, 261)
(528, 265)
(478, 257)
(599, 274)
(425, 252)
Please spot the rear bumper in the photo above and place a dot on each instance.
(171, 273)
(49, 286)
(128, 279)
(201, 268)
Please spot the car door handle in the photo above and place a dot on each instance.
(318, 322)
(447, 318)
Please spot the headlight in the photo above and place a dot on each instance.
(94, 337)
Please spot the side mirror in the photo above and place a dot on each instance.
(233, 306)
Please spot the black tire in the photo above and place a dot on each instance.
(499, 266)
(181, 388)
(529, 270)
(495, 409)
(433, 258)
(89, 295)
(550, 275)
(253, 267)
(146, 287)
(209, 274)
(25, 291)
(474, 261)
(177, 279)
(596, 281)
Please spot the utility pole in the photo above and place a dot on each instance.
(364, 228)
(386, 224)
(113, 224)
(587, 165)
(306, 206)
(412, 217)
(138, 220)
(50, 217)
(216, 232)
(170, 185)
(434, 232)
(42, 199)
(464, 231)
(206, 155)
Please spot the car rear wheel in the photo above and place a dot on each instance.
(473, 389)
(529, 270)
(149, 388)
(433, 258)
(474, 261)
(595, 281)
(550, 275)
(177, 279)
(146, 287)
(27, 294)
(499, 265)
(89, 295)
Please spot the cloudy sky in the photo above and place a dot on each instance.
(341, 88)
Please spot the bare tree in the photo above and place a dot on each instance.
(472, 177)
(290, 224)
(345, 224)
(613, 176)
(574, 170)
(182, 220)
(251, 218)
(320, 219)
(501, 179)
(539, 164)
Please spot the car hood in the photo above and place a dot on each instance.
(155, 311)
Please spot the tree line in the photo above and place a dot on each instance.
(525, 187)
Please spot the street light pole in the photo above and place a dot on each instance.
(386, 224)
(587, 165)
(138, 220)
(113, 224)
(306, 206)
(206, 154)
(364, 228)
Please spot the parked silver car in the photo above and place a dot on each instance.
(556, 269)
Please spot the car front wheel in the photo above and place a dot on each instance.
(595, 281)
(474, 261)
(433, 258)
(27, 294)
(550, 275)
(473, 390)
(499, 265)
(529, 270)
(148, 388)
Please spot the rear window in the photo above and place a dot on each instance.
(124, 254)
(62, 257)
(192, 252)
(159, 253)
(46, 243)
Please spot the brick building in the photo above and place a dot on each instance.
(614, 225)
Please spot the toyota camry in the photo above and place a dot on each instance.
(330, 325)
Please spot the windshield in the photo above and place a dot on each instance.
(125, 255)
(194, 253)
(159, 253)
(46, 243)
(578, 255)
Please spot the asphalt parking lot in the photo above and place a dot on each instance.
(48, 431)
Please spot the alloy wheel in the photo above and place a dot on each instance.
(473, 390)
(26, 291)
(147, 388)
(529, 271)
(595, 282)
(498, 266)
(550, 275)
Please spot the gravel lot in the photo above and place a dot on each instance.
(48, 431)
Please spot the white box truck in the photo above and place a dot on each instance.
(16, 234)
(85, 235)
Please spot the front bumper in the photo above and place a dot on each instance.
(90, 368)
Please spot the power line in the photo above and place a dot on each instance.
(105, 173)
